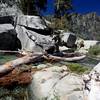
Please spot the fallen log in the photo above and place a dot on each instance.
(8, 51)
(75, 58)
(9, 66)
(23, 53)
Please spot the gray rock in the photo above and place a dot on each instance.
(41, 66)
(92, 84)
(68, 39)
(76, 96)
(8, 35)
(52, 83)
(86, 26)
(32, 40)
(6, 20)
(31, 21)
(9, 40)
(6, 27)
(9, 7)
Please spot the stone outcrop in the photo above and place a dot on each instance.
(32, 33)
(55, 83)
(68, 39)
(7, 20)
(92, 84)
(8, 35)
(86, 26)
(9, 41)
(9, 7)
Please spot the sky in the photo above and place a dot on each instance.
(79, 6)
(86, 6)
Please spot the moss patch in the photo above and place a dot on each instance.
(94, 51)
(77, 68)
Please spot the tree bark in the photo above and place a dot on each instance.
(18, 76)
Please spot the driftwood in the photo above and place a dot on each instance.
(9, 66)
(22, 53)
(8, 51)
(75, 58)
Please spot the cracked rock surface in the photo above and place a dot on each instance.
(56, 82)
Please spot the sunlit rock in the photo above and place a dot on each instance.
(56, 82)
(33, 33)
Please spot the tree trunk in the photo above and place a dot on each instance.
(76, 58)
(9, 66)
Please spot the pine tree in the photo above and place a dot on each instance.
(32, 7)
(62, 8)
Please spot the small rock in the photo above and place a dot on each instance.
(41, 66)
(64, 67)
(57, 69)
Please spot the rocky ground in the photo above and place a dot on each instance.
(56, 83)
(52, 82)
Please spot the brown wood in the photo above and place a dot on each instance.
(17, 77)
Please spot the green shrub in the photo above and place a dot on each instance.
(94, 51)
(77, 68)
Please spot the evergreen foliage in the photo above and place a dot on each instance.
(27, 6)
(94, 51)
(62, 8)
(31, 7)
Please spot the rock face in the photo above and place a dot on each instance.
(7, 20)
(92, 84)
(31, 21)
(56, 83)
(68, 39)
(97, 68)
(9, 7)
(86, 26)
(9, 40)
(8, 36)
(33, 33)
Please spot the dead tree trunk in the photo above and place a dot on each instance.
(70, 59)
(9, 66)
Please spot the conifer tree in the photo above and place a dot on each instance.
(62, 8)
(32, 7)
